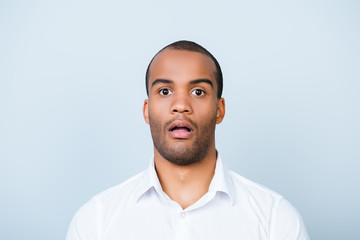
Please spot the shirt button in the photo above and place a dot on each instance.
(183, 214)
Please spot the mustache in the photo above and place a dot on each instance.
(193, 124)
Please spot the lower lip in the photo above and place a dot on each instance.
(180, 133)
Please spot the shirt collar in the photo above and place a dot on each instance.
(149, 181)
(221, 181)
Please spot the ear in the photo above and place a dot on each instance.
(220, 110)
(146, 110)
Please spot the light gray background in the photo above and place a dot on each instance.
(72, 89)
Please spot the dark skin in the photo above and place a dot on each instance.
(183, 91)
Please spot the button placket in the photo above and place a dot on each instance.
(182, 230)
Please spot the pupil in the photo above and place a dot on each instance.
(198, 92)
(165, 92)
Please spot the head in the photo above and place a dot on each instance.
(184, 87)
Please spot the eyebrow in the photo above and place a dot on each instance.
(158, 81)
(196, 81)
(202, 80)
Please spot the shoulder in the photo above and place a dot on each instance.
(252, 189)
(287, 223)
(284, 220)
(88, 221)
(126, 189)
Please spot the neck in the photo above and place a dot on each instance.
(185, 184)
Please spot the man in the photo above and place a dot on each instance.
(187, 192)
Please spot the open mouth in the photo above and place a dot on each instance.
(180, 129)
(176, 128)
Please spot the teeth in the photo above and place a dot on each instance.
(174, 128)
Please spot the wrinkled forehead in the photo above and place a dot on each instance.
(181, 63)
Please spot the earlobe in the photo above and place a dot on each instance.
(220, 111)
(146, 110)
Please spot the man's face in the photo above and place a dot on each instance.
(183, 108)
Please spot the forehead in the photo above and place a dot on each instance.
(175, 64)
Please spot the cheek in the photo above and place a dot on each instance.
(205, 111)
(159, 107)
(155, 117)
(206, 119)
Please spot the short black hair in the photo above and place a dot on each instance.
(193, 47)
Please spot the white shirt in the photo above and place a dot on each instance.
(233, 208)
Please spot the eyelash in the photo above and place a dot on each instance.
(161, 92)
(202, 92)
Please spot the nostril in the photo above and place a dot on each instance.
(180, 108)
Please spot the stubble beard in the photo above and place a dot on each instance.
(181, 153)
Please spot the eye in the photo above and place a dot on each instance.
(198, 92)
(165, 91)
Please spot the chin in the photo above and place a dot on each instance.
(182, 155)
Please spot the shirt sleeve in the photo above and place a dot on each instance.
(288, 224)
(85, 224)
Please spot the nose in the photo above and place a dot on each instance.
(181, 105)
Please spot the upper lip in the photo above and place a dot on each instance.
(180, 124)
